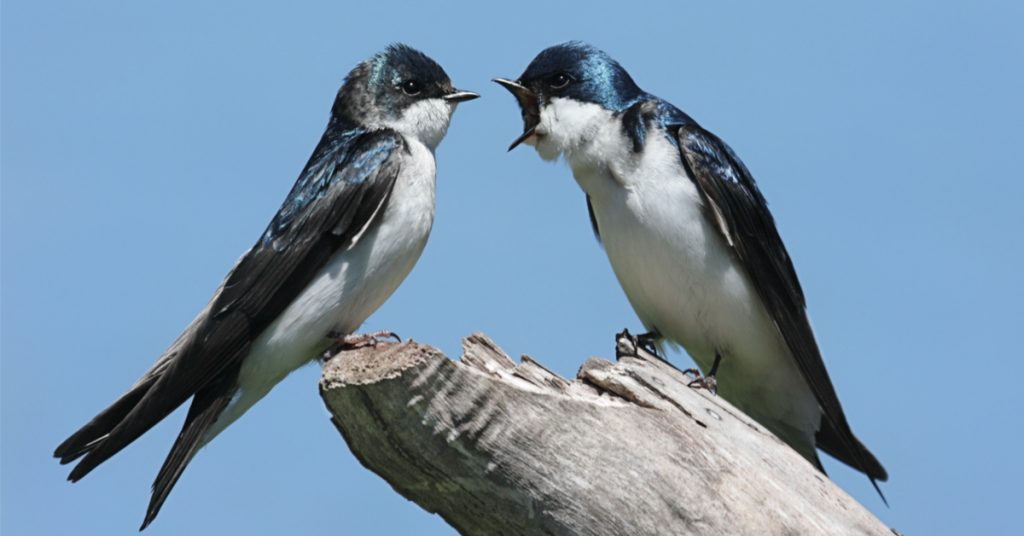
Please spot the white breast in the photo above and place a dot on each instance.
(350, 287)
(681, 278)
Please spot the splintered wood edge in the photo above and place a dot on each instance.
(481, 355)
(639, 379)
(597, 378)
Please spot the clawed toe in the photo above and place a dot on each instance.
(705, 382)
(380, 336)
(354, 341)
(644, 341)
(701, 381)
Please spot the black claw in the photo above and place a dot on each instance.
(649, 341)
(644, 341)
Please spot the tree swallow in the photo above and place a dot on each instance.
(691, 241)
(349, 232)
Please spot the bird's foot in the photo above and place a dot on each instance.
(648, 341)
(354, 341)
(701, 381)
(707, 382)
(643, 341)
(360, 340)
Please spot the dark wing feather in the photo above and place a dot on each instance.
(350, 175)
(593, 219)
(207, 405)
(735, 204)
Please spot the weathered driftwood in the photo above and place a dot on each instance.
(626, 448)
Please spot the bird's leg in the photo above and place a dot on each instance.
(352, 341)
(648, 341)
(706, 381)
(358, 340)
(645, 341)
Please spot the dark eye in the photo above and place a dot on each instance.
(411, 87)
(559, 80)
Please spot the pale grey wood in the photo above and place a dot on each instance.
(626, 448)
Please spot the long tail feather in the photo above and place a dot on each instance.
(206, 407)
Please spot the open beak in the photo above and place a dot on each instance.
(529, 106)
(460, 96)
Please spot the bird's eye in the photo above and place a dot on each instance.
(411, 87)
(559, 80)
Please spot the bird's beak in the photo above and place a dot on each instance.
(528, 104)
(460, 96)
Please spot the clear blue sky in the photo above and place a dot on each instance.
(146, 146)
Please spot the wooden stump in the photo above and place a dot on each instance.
(625, 448)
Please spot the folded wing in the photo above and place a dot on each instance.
(736, 206)
(348, 178)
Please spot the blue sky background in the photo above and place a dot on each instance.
(144, 147)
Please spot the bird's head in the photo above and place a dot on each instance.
(565, 91)
(402, 89)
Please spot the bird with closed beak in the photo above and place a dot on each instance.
(346, 236)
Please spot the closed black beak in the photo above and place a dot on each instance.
(528, 105)
(460, 96)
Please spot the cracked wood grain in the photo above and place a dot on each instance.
(496, 447)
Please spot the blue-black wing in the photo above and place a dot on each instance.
(348, 178)
(734, 203)
(593, 219)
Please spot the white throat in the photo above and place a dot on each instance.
(571, 128)
(426, 120)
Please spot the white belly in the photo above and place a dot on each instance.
(350, 287)
(682, 280)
